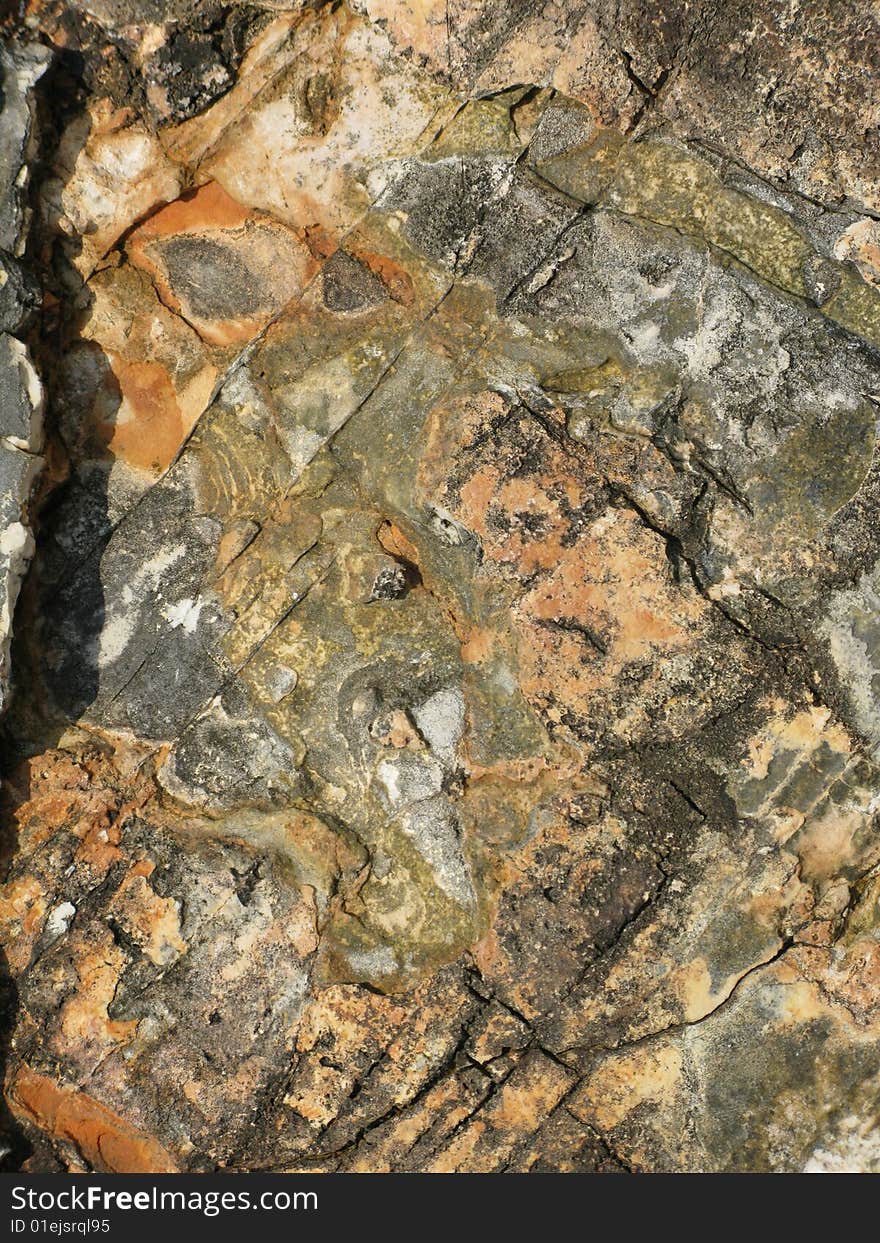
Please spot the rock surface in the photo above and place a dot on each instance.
(444, 731)
(21, 393)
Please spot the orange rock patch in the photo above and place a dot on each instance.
(148, 428)
(609, 603)
(107, 1142)
(209, 207)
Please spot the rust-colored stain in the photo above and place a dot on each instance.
(107, 1142)
(209, 207)
(147, 429)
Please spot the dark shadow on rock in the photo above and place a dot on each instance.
(14, 1147)
(57, 648)
(60, 610)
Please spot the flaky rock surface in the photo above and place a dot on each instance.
(444, 730)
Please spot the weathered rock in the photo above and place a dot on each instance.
(21, 395)
(444, 732)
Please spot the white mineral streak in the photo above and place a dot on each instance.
(59, 920)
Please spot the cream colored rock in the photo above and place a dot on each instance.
(110, 173)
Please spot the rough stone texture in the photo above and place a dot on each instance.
(21, 393)
(445, 731)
